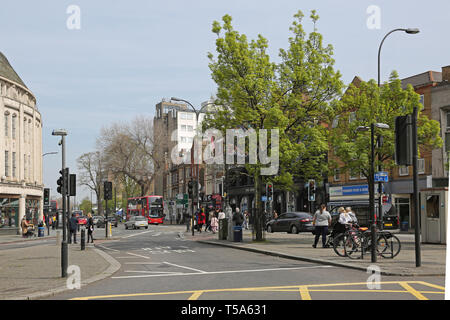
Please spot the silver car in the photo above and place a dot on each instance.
(136, 222)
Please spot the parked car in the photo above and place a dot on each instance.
(136, 222)
(291, 222)
(391, 222)
(95, 219)
(101, 222)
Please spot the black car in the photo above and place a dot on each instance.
(291, 222)
(101, 222)
(391, 222)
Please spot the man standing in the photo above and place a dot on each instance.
(321, 221)
(73, 226)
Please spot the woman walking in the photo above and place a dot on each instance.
(90, 227)
(321, 221)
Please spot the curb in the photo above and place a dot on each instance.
(313, 260)
(114, 265)
(28, 240)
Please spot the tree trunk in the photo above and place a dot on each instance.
(259, 213)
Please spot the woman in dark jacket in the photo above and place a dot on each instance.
(90, 227)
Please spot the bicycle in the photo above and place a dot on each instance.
(388, 245)
(341, 240)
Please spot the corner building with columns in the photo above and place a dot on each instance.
(21, 188)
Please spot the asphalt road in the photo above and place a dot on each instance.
(159, 263)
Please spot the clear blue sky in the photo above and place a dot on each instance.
(130, 54)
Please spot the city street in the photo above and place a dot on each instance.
(162, 263)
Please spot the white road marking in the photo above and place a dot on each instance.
(218, 272)
(137, 234)
(157, 234)
(138, 255)
(101, 246)
(162, 272)
(176, 265)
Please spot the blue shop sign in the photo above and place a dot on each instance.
(355, 190)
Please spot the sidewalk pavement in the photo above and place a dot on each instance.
(33, 271)
(299, 247)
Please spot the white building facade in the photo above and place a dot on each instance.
(21, 188)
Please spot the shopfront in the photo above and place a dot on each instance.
(9, 212)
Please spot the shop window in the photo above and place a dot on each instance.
(433, 206)
(9, 210)
(421, 166)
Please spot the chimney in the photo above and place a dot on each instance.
(446, 73)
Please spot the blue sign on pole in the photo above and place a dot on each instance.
(264, 198)
(381, 176)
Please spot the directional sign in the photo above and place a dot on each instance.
(381, 176)
(263, 198)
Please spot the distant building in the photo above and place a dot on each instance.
(21, 188)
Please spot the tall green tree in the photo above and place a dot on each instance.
(294, 96)
(367, 103)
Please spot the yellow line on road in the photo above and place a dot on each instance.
(304, 293)
(304, 290)
(413, 291)
(195, 295)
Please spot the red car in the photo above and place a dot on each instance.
(82, 220)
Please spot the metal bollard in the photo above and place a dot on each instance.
(83, 238)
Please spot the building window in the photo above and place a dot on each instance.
(422, 99)
(13, 126)
(335, 122)
(448, 121)
(403, 170)
(421, 166)
(337, 175)
(7, 163)
(6, 124)
(13, 164)
(353, 175)
(24, 166)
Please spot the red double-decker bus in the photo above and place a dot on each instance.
(151, 207)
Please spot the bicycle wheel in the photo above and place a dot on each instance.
(353, 245)
(338, 244)
(388, 245)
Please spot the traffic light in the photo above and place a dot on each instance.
(60, 182)
(403, 140)
(312, 190)
(46, 196)
(107, 186)
(73, 185)
(190, 188)
(270, 191)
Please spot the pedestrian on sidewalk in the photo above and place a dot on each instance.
(54, 222)
(238, 218)
(201, 220)
(90, 227)
(352, 215)
(73, 227)
(208, 223)
(321, 221)
(214, 223)
(246, 219)
(26, 230)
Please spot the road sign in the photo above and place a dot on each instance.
(381, 176)
(264, 198)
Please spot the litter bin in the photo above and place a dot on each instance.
(404, 226)
(223, 229)
(41, 231)
(237, 232)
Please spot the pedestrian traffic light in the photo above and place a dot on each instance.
(46, 196)
(403, 140)
(107, 186)
(73, 185)
(312, 190)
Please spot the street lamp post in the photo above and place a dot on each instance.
(197, 113)
(64, 252)
(408, 31)
(416, 192)
(373, 226)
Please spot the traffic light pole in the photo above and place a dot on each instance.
(64, 251)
